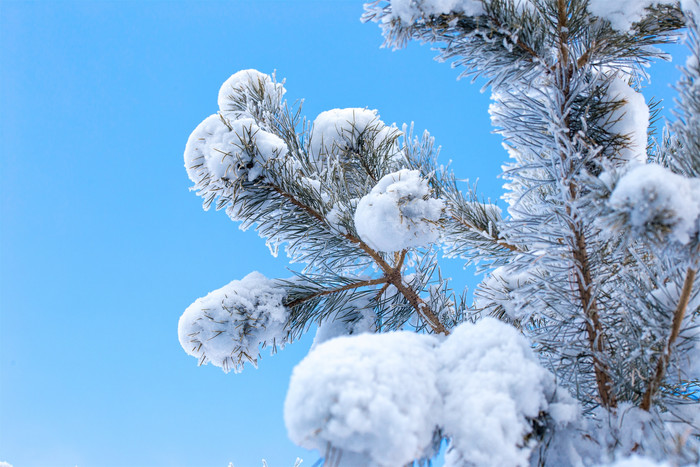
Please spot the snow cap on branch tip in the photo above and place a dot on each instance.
(385, 396)
(356, 317)
(241, 91)
(409, 11)
(337, 131)
(650, 199)
(370, 395)
(227, 327)
(490, 374)
(621, 14)
(220, 152)
(399, 213)
(630, 119)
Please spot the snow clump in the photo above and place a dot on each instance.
(379, 399)
(500, 289)
(652, 199)
(240, 95)
(337, 131)
(399, 213)
(621, 13)
(631, 119)
(372, 396)
(410, 10)
(490, 374)
(219, 151)
(227, 327)
(235, 145)
(356, 317)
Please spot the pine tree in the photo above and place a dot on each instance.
(582, 344)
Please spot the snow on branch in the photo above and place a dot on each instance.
(228, 326)
(399, 213)
(385, 398)
(652, 201)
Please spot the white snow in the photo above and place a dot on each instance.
(621, 13)
(216, 155)
(356, 317)
(383, 395)
(234, 95)
(491, 385)
(654, 198)
(691, 7)
(399, 213)
(630, 120)
(410, 10)
(227, 327)
(340, 130)
(499, 288)
(371, 395)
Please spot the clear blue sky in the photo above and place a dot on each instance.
(102, 246)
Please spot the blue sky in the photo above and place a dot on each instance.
(102, 246)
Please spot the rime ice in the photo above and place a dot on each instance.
(399, 213)
(227, 327)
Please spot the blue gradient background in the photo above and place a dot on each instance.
(102, 246)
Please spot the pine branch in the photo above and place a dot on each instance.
(471, 226)
(584, 281)
(662, 363)
(322, 293)
(392, 275)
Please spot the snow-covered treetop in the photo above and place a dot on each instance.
(582, 342)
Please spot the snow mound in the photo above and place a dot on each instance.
(490, 374)
(227, 327)
(371, 396)
(410, 10)
(621, 13)
(338, 131)
(240, 95)
(384, 396)
(399, 213)
(653, 199)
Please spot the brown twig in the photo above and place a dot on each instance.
(392, 275)
(665, 357)
(594, 328)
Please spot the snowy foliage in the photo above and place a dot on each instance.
(227, 327)
(630, 119)
(399, 213)
(582, 343)
(650, 199)
(490, 374)
(384, 397)
(374, 396)
(621, 13)
(411, 10)
(338, 131)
